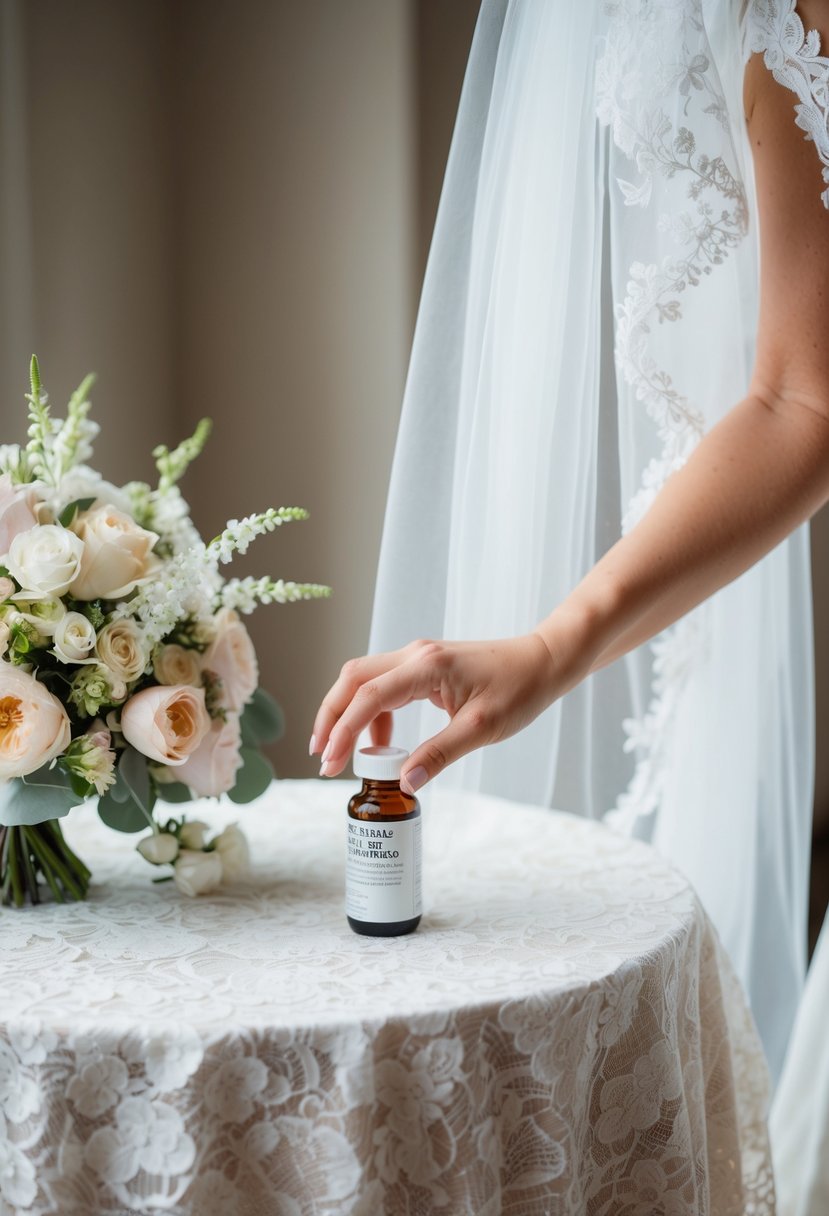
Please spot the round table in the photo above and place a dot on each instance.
(561, 1035)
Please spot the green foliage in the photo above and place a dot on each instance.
(173, 791)
(128, 805)
(69, 513)
(262, 720)
(44, 794)
(253, 778)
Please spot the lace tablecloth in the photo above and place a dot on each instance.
(561, 1035)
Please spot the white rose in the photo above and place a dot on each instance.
(74, 640)
(161, 848)
(166, 724)
(232, 658)
(121, 649)
(232, 847)
(173, 664)
(34, 727)
(197, 873)
(4, 638)
(116, 554)
(45, 560)
(193, 833)
(45, 615)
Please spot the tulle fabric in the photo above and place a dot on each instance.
(525, 448)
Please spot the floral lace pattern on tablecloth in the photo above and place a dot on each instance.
(561, 1035)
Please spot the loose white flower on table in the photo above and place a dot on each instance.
(166, 724)
(174, 664)
(117, 554)
(232, 847)
(16, 512)
(232, 658)
(197, 873)
(211, 769)
(161, 848)
(193, 834)
(74, 639)
(45, 560)
(34, 727)
(122, 649)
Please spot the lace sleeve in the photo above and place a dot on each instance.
(774, 29)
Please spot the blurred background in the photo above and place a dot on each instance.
(223, 207)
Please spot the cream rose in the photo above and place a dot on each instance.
(234, 852)
(45, 560)
(121, 649)
(197, 873)
(173, 664)
(116, 554)
(34, 727)
(16, 511)
(193, 833)
(74, 639)
(166, 724)
(161, 848)
(211, 769)
(232, 658)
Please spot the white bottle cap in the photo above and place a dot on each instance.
(379, 763)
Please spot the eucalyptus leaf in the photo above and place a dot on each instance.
(253, 778)
(122, 816)
(262, 720)
(173, 791)
(44, 794)
(133, 771)
(67, 515)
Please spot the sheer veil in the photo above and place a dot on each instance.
(598, 202)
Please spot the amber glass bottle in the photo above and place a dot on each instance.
(382, 876)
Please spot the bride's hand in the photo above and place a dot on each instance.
(489, 689)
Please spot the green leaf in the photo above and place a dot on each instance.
(173, 791)
(122, 816)
(262, 720)
(253, 778)
(133, 771)
(67, 515)
(44, 794)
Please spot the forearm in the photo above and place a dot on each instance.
(753, 478)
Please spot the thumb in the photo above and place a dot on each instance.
(468, 729)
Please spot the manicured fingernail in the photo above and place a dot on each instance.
(324, 769)
(312, 746)
(413, 780)
(327, 752)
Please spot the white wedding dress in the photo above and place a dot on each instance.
(599, 200)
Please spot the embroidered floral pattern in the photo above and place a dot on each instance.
(656, 49)
(774, 29)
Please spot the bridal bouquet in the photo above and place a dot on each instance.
(126, 673)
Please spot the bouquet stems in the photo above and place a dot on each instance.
(33, 856)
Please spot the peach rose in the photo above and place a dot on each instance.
(34, 727)
(16, 511)
(166, 724)
(116, 554)
(232, 658)
(174, 664)
(211, 769)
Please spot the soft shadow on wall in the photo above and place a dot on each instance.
(223, 209)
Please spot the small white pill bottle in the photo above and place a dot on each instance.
(383, 848)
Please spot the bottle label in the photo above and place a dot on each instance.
(382, 872)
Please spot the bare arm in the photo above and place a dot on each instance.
(753, 478)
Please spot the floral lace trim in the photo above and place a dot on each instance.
(793, 56)
(715, 223)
